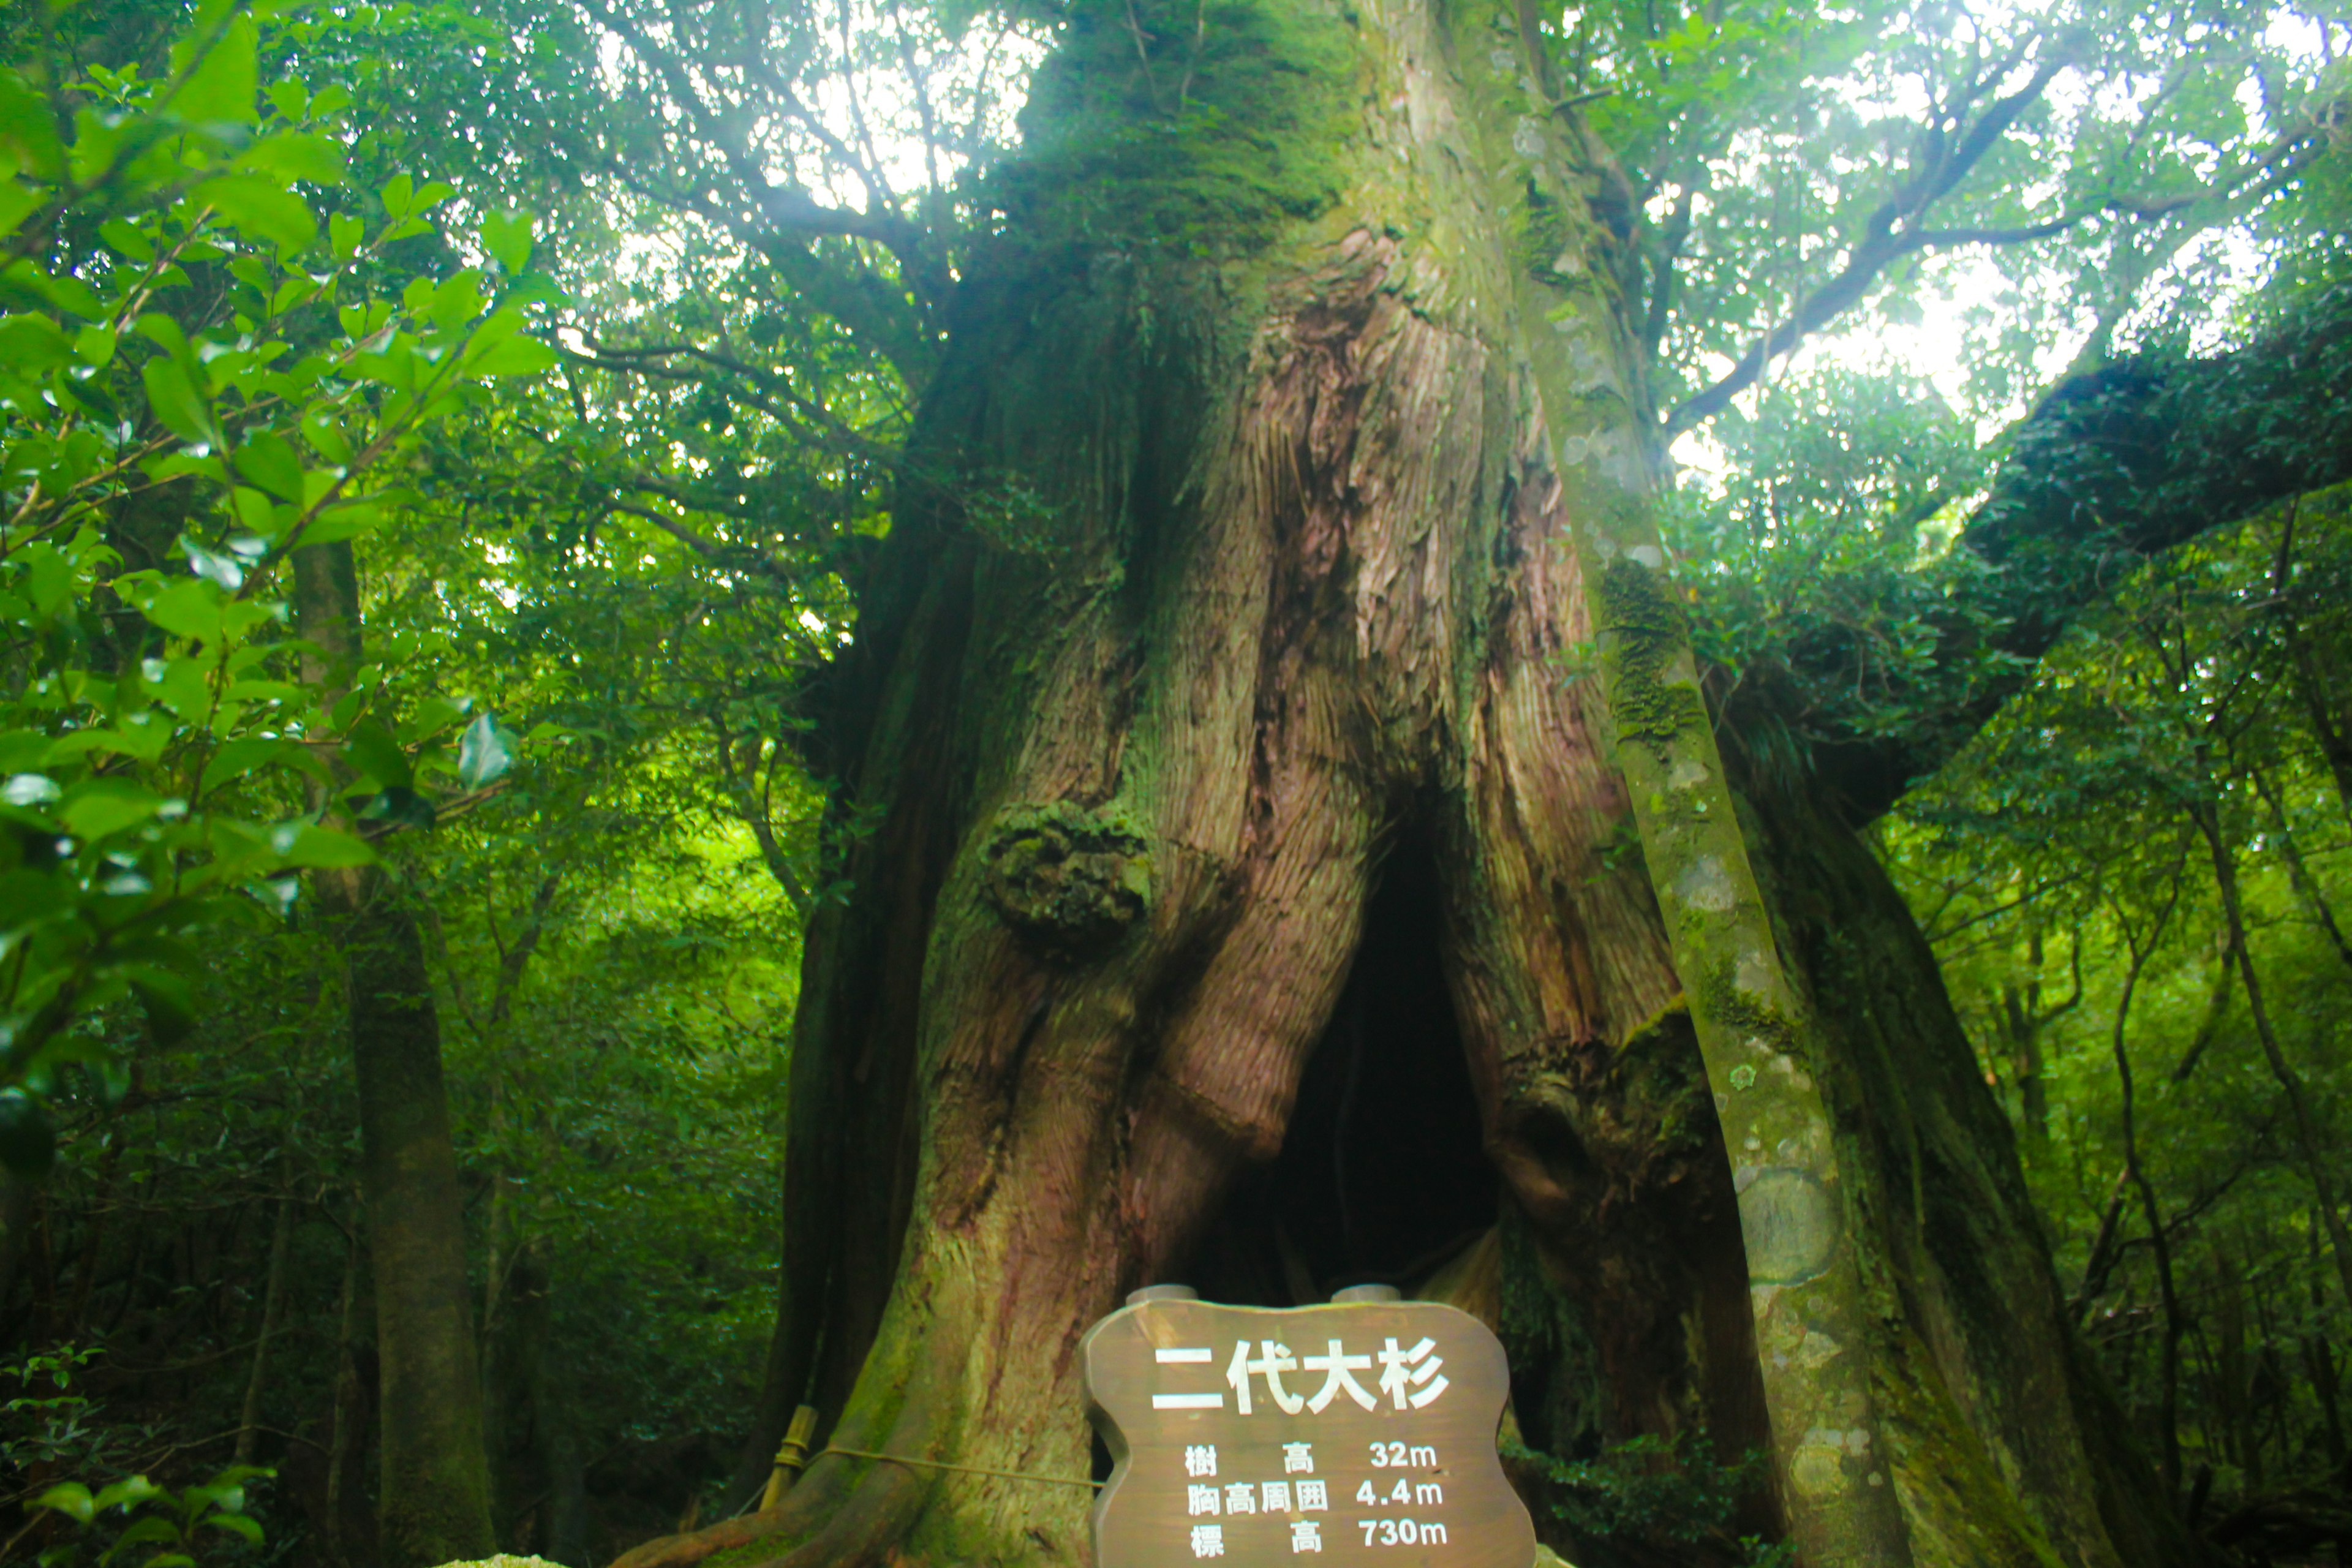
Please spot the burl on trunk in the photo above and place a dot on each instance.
(1283, 515)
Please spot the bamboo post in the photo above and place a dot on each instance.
(792, 1455)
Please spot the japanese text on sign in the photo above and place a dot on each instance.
(1363, 1429)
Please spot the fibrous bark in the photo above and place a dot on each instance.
(1289, 461)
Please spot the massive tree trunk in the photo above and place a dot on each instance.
(1250, 890)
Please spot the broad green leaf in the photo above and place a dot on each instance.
(34, 343)
(48, 577)
(238, 758)
(184, 684)
(370, 750)
(171, 1010)
(307, 844)
(224, 86)
(165, 333)
(127, 240)
(94, 346)
(264, 209)
(254, 512)
(288, 155)
(27, 129)
(155, 1527)
(19, 1142)
(19, 202)
(338, 523)
(176, 403)
(189, 608)
(99, 808)
(431, 716)
(506, 236)
(515, 355)
(268, 460)
(457, 299)
(125, 1493)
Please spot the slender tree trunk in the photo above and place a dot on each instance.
(16, 1220)
(2318, 1163)
(2319, 1360)
(434, 1498)
(342, 1423)
(562, 1534)
(2175, 1322)
(2233, 1379)
(514, 1339)
(2306, 887)
(273, 1310)
(1268, 493)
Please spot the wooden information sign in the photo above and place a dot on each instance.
(1358, 1435)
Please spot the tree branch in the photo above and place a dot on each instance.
(2114, 467)
(1939, 165)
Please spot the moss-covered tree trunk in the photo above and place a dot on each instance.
(1285, 498)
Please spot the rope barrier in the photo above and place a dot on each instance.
(794, 1456)
(962, 1469)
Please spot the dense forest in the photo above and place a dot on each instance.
(709, 706)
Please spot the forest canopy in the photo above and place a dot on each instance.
(535, 537)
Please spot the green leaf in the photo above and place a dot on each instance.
(238, 758)
(254, 512)
(18, 1146)
(48, 577)
(127, 240)
(264, 209)
(124, 1493)
(268, 460)
(457, 299)
(237, 1523)
(307, 844)
(224, 87)
(189, 608)
(33, 344)
(506, 236)
(99, 808)
(18, 202)
(171, 1010)
(176, 403)
(484, 755)
(27, 129)
(155, 1527)
(515, 355)
(290, 156)
(371, 749)
(94, 346)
